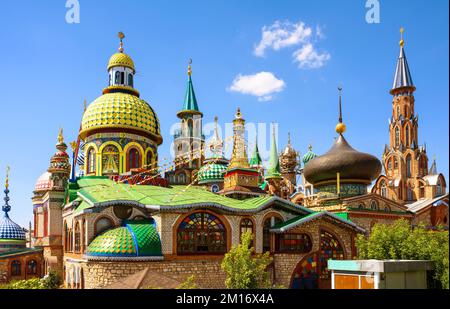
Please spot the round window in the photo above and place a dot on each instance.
(215, 188)
(123, 212)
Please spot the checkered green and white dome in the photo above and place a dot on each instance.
(212, 172)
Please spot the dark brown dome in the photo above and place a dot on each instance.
(342, 158)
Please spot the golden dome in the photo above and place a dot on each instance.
(121, 59)
(121, 110)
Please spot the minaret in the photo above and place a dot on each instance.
(404, 160)
(289, 162)
(189, 140)
(239, 157)
(59, 165)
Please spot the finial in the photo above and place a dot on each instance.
(310, 147)
(340, 128)
(60, 136)
(289, 138)
(74, 146)
(85, 104)
(238, 113)
(402, 42)
(8, 169)
(121, 37)
(190, 67)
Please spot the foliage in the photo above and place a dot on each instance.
(245, 271)
(51, 281)
(189, 284)
(400, 241)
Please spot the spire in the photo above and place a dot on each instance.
(340, 127)
(239, 157)
(190, 101)
(121, 37)
(274, 162)
(433, 168)
(256, 161)
(216, 145)
(402, 74)
(6, 208)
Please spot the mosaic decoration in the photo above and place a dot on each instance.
(110, 160)
(201, 233)
(211, 172)
(346, 189)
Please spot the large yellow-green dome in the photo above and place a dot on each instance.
(121, 110)
(121, 59)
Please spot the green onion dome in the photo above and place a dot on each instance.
(308, 156)
(211, 172)
(134, 240)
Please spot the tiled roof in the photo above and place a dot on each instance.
(425, 202)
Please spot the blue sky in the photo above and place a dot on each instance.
(50, 66)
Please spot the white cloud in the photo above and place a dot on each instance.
(262, 85)
(282, 34)
(308, 58)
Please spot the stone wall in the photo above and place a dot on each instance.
(207, 272)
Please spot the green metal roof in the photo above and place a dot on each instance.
(274, 163)
(95, 192)
(137, 239)
(17, 252)
(190, 101)
(211, 172)
(256, 158)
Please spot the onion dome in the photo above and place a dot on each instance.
(211, 172)
(122, 60)
(289, 151)
(273, 172)
(132, 240)
(308, 156)
(343, 159)
(59, 162)
(43, 183)
(289, 158)
(11, 234)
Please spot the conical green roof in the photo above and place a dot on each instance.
(274, 163)
(256, 158)
(190, 101)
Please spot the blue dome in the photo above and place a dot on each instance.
(10, 230)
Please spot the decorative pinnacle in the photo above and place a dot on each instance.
(310, 147)
(340, 127)
(190, 67)
(121, 37)
(289, 138)
(74, 146)
(6, 208)
(84, 105)
(402, 42)
(8, 169)
(238, 113)
(60, 136)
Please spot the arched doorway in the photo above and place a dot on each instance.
(312, 271)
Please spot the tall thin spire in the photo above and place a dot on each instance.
(433, 168)
(190, 101)
(239, 157)
(216, 145)
(6, 208)
(340, 127)
(255, 160)
(274, 162)
(402, 76)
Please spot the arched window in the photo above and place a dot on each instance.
(16, 268)
(91, 161)
(406, 111)
(373, 205)
(409, 193)
(122, 78)
(190, 127)
(117, 80)
(395, 164)
(398, 111)
(181, 178)
(77, 238)
(407, 135)
(268, 224)
(298, 243)
(397, 137)
(330, 249)
(110, 160)
(102, 225)
(439, 187)
(133, 159)
(387, 209)
(389, 164)
(246, 226)
(130, 80)
(83, 236)
(32, 267)
(201, 233)
(383, 188)
(361, 206)
(421, 190)
(408, 166)
(149, 161)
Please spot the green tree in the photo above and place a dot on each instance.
(189, 284)
(245, 270)
(400, 241)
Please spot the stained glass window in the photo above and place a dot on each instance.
(298, 243)
(16, 268)
(133, 159)
(330, 249)
(268, 223)
(110, 160)
(91, 161)
(201, 233)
